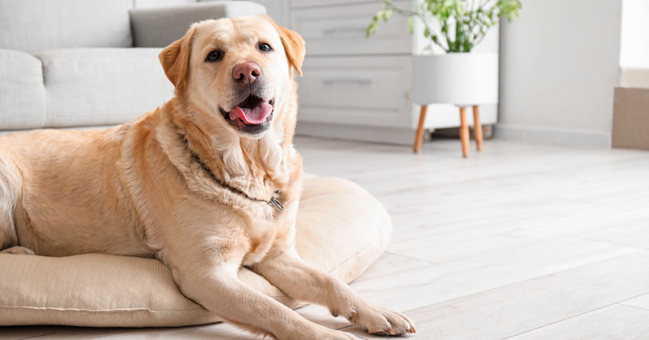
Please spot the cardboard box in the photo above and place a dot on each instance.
(631, 118)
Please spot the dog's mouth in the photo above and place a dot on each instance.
(253, 115)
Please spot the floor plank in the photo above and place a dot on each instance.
(635, 234)
(612, 322)
(217, 331)
(390, 264)
(430, 285)
(640, 302)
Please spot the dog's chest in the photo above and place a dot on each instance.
(259, 238)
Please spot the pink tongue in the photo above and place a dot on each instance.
(255, 115)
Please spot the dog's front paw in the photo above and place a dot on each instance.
(380, 321)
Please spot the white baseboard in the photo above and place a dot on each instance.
(558, 136)
(357, 132)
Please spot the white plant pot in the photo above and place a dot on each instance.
(463, 79)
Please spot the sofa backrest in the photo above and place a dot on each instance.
(39, 25)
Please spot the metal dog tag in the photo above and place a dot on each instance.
(275, 202)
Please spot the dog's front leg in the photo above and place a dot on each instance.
(287, 271)
(217, 288)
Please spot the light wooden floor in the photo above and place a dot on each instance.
(519, 242)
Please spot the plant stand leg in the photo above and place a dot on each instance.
(477, 127)
(464, 132)
(419, 136)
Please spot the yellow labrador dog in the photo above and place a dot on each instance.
(206, 183)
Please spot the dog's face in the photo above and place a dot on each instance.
(237, 70)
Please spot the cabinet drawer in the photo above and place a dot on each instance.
(340, 30)
(371, 91)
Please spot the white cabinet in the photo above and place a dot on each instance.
(360, 90)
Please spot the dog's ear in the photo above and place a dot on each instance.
(293, 45)
(175, 59)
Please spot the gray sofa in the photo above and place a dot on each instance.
(77, 63)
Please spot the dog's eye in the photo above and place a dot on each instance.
(214, 56)
(265, 47)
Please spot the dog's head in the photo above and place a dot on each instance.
(238, 71)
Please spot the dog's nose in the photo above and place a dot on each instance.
(246, 73)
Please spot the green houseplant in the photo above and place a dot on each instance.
(462, 23)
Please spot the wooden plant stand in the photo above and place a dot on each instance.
(464, 129)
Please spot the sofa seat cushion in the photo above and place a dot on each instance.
(22, 94)
(102, 86)
(39, 25)
(341, 229)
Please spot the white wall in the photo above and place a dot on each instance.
(559, 65)
(634, 51)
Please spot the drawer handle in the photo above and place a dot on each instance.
(347, 81)
(330, 31)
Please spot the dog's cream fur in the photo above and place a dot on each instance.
(136, 190)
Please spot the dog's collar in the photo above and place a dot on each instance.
(274, 200)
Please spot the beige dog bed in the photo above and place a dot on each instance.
(341, 229)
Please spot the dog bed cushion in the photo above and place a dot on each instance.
(341, 229)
